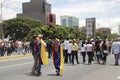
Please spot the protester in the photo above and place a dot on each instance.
(116, 51)
(35, 51)
(65, 50)
(104, 51)
(74, 48)
(42, 56)
(97, 48)
(49, 48)
(20, 47)
(69, 51)
(2, 49)
(58, 59)
(90, 50)
(83, 51)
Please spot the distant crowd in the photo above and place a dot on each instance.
(16, 47)
(97, 49)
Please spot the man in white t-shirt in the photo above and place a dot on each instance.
(116, 50)
(66, 42)
(69, 53)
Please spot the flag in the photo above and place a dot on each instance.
(58, 59)
(44, 56)
(61, 59)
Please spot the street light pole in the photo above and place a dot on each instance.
(2, 19)
(1, 34)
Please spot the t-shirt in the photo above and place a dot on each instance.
(89, 47)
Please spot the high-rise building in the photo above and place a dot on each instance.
(119, 29)
(69, 21)
(40, 10)
(91, 27)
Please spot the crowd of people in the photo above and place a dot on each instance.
(38, 47)
(64, 51)
(95, 50)
(16, 47)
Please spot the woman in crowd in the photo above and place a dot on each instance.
(90, 50)
(104, 51)
(83, 51)
(74, 48)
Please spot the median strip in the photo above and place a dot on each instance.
(14, 57)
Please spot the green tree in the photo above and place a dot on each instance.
(25, 28)
(19, 27)
(75, 33)
(113, 36)
(34, 31)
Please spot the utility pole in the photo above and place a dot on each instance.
(1, 26)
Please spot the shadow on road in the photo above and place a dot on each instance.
(53, 75)
(28, 74)
(113, 65)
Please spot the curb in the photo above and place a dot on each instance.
(14, 57)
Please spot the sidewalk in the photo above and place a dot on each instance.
(14, 56)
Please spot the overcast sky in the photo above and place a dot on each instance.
(106, 12)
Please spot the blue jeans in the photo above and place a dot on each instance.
(49, 52)
(116, 59)
(39, 68)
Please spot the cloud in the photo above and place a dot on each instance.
(11, 7)
(9, 14)
(87, 8)
(108, 23)
(105, 11)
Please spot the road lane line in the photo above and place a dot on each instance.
(118, 77)
(15, 65)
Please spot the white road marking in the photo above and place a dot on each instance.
(15, 65)
(118, 77)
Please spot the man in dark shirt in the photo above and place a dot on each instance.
(97, 49)
(35, 47)
(49, 48)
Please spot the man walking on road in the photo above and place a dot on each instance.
(116, 51)
(35, 47)
(49, 48)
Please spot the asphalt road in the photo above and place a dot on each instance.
(19, 69)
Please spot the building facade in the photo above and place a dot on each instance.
(83, 29)
(69, 21)
(91, 27)
(40, 10)
(104, 30)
